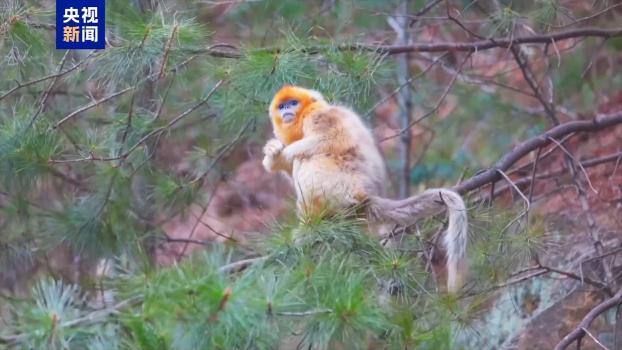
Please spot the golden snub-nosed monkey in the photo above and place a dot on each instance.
(335, 164)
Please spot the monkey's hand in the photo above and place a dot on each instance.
(273, 159)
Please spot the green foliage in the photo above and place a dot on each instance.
(142, 56)
(342, 76)
(546, 12)
(100, 187)
(329, 282)
(54, 303)
(24, 151)
(21, 47)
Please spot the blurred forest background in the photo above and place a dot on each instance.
(135, 214)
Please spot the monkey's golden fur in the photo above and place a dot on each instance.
(335, 164)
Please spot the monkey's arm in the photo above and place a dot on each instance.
(303, 147)
(273, 159)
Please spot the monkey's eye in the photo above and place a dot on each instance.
(281, 106)
(294, 103)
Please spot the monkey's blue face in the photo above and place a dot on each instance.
(288, 110)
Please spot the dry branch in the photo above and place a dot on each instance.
(578, 333)
(433, 47)
(91, 105)
(47, 77)
(156, 131)
(598, 123)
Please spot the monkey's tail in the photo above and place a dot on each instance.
(408, 211)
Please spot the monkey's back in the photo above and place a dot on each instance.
(345, 168)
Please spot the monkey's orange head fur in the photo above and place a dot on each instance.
(290, 105)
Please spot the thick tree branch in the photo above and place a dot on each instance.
(598, 123)
(490, 43)
(433, 47)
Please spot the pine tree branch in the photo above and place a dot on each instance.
(93, 317)
(474, 46)
(47, 77)
(46, 94)
(156, 131)
(91, 105)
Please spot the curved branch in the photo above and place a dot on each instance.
(598, 123)
(578, 333)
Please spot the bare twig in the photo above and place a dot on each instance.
(423, 11)
(550, 174)
(435, 108)
(513, 281)
(615, 168)
(224, 150)
(521, 60)
(216, 232)
(46, 94)
(195, 226)
(305, 313)
(525, 199)
(533, 174)
(47, 77)
(169, 239)
(582, 279)
(585, 174)
(578, 333)
(168, 89)
(460, 24)
(542, 156)
(91, 105)
(595, 339)
(156, 131)
(405, 83)
(240, 264)
(587, 18)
